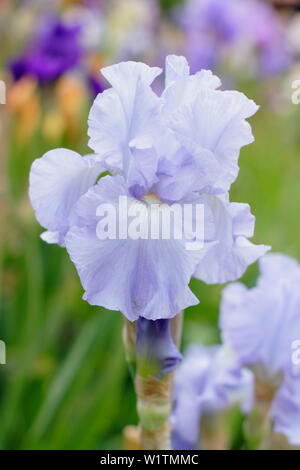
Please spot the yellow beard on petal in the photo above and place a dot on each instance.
(151, 199)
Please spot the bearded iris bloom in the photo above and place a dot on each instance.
(262, 324)
(181, 147)
(157, 151)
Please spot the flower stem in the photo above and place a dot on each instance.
(154, 407)
(129, 338)
(258, 424)
(154, 395)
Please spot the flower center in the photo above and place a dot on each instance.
(151, 199)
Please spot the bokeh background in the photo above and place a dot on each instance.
(66, 384)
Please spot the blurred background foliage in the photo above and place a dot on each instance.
(65, 384)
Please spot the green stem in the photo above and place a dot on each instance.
(154, 395)
(258, 425)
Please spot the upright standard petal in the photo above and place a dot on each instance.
(57, 180)
(215, 121)
(123, 117)
(181, 87)
(176, 68)
(230, 257)
(131, 73)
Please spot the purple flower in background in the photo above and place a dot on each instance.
(267, 34)
(209, 380)
(262, 324)
(223, 30)
(96, 85)
(209, 25)
(55, 50)
(181, 147)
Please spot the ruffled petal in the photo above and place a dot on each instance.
(129, 73)
(132, 276)
(57, 180)
(215, 121)
(129, 275)
(176, 68)
(124, 116)
(230, 257)
(181, 87)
